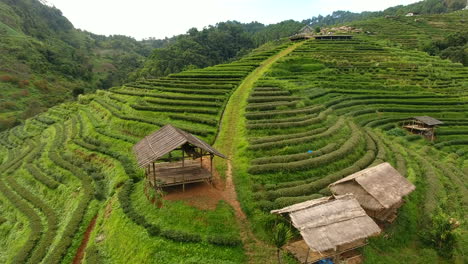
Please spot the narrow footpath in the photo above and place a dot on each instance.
(231, 135)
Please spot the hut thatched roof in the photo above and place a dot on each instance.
(165, 140)
(306, 30)
(430, 121)
(330, 222)
(376, 188)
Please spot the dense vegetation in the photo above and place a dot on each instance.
(332, 108)
(44, 60)
(83, 150)
(326, 110)
(212, 45)
(422, 7)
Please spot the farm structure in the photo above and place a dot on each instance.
(306, 32)
(334, 37)
(171, 170)
(331, 227)
(379, 190)
(423, 125)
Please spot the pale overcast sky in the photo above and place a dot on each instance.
(165, 18)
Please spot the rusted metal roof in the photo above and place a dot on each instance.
(165, 140)
(430, 121)
(330, 222)
(378, 187)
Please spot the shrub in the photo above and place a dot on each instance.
(441, 234)
(42, 85)
(221, 240)
(9, 79)
(180, 236)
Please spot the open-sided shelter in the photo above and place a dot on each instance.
(154, 153)
(423, 125)
(329, 226)
(379, 190)
(305, 33)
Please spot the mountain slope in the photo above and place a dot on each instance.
(44, 60)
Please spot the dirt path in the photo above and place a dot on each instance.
(230, 194)
(230, 137)
(81, 250)
(204, 196)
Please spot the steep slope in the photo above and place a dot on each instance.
(332, 108)
(416, 31)
(64, 167)
(44, 60)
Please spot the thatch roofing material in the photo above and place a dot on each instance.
(329, 222)
(306, 30)
(430, 121)
(375, 188)
(164, 141)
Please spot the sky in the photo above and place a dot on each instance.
(166, 18)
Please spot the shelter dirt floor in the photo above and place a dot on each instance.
(205, 196)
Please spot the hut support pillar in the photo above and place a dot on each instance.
(201, 158)
(307, 257)
(183, 165)
(154, 174)
(183, 158)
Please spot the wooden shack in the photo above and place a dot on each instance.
(330, 227)
(155, 154)
(333, 37)
(423, 125)
(379, 190)
(306, 32)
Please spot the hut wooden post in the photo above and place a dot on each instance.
(211, 164)
(201, 158)
(307, 257)
(183, 158)
(154, 174)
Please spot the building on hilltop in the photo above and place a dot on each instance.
(304, 33)
(330, 227)
(174, 170)
(423, 125)
(334, 37)
(379, 190)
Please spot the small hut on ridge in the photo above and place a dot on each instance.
(306, 32)
(423, 125)
(379, 190)
(330, 227)
(154, 153)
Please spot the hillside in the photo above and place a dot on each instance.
(292, 118)
(344, 100)
(44, 60)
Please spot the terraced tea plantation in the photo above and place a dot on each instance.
(414, 32)
(70, 187)
(332, 108)
(70, 191)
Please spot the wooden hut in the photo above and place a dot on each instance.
(423, 125)
(331, 227)
(154, 153)
(379, 190)
(306, 32)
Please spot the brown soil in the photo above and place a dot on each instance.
(205, 196)
(201, 195)
(108, 210)
(81, 250)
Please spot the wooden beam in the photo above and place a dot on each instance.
(154, 174)
(201, 158)
(183, 158)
